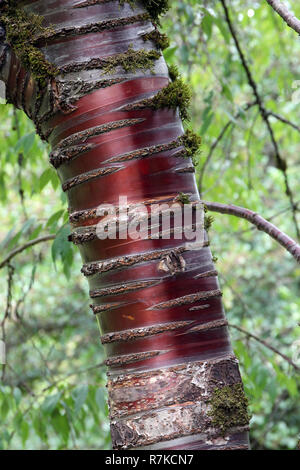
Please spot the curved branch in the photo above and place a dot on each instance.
(262, 224)
(285, 14)
(267, 345)
(284, 120)
(18, 250)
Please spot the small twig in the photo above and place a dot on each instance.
(18, 250)
(285, 14)
(284, 120)
(262, 224)
(267, 345)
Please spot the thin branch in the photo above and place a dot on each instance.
(18, 250)
(262, 224)
(284, 120)
(285, 14)
(281, 163)
(267, 345)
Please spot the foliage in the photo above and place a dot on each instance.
(52, 391)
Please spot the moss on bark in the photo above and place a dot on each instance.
(21, 29)
(229, 408)
(132, 60)
(161, 40)
(155, 8)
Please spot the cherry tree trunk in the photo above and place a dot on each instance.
(173, 380)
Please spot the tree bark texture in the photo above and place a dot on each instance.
(173, 380)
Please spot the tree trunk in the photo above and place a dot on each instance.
(91, 78)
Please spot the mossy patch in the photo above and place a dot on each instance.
(183, 198)
(132, 60)
(155, 8)
(229, 408)
(176, 95)
(21, 30)
(161, 40)
(192, 143)
(208, 221)
(173, 72)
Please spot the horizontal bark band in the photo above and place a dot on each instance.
(168, 403)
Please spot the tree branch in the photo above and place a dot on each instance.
(18, 250)
(285, 14)
(284, 120)
(281, 163)
(267, 345)
(262, 224)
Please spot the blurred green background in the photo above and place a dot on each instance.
(52, 389)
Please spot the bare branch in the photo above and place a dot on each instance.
(267, 345)
(284, 120)
(18, 250)
(262, 224)
(285, 14)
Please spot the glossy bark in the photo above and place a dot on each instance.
(158, 301)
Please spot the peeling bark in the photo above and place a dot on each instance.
(158, 301)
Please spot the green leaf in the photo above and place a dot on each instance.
(24, 432)
(79, 396)
(63, 249)
(170, 53)
(207, 24)
(61, 426)
(50, 403)
(25, 143)
(101, 399)
(55, 218)
(45, 177)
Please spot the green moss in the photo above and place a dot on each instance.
(132, 60)
(161, 40)
(229, 408)
(183, 198)
(208, 221)
(176, 95)
(21, 31)
(192, 143)
(155, 8)
(173, 72)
